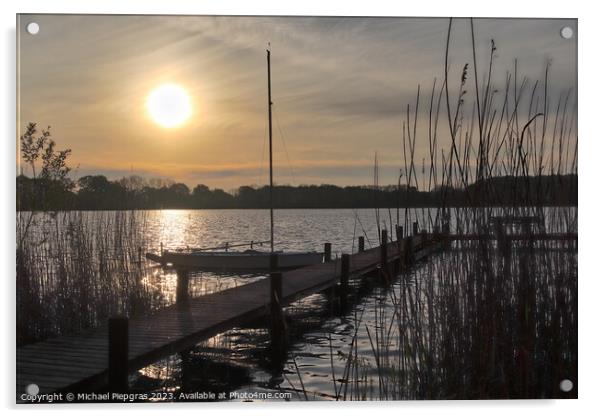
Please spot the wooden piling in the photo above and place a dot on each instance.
(383, 248)
(118, 354)
(415, 228)
(186, 371)
(276, 290)
(445, 232)
(408, 251)
(360, 244)
(399, 232)
(327, 252)
(182, 286)
(382, 273)
(277, 318)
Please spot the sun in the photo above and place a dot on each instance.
(169, 105)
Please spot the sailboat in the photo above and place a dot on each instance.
(219, 258)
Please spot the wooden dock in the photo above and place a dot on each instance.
(79, 363)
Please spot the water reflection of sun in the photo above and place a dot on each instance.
(175, 226)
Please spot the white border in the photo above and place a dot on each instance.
(590, 154)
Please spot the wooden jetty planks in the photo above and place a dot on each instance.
(80, 361)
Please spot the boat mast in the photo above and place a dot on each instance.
(271, 168)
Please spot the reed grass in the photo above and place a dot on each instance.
(484, 319)
(75, 269)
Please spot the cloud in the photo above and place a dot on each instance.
(341, 87)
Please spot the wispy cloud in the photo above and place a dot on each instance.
(341, 86)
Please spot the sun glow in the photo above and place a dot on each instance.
(169, 105)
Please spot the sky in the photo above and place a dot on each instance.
(340, 88)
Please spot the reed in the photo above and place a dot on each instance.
(486, 319)
(75, 269)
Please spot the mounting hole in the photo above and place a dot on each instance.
(33, 28)
(32, 389)
(566, 32)
(566, 385)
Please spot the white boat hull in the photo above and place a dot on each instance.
(236, 261)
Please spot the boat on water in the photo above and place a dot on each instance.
(251, 260)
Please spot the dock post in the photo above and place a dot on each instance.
(360, 244)
(408, 246)
(399, 232)
(381, 275)
(277, 318)
(161, 249)
(345, 268)
(383, 248)
(327, 252)
(276, 292)
(445, 230)
(118, 354)
(399, 241)
(182, 286)
(415, 228)
(273, 262)
(139, 256)
(186, 374)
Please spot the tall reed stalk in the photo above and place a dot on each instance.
(75, 269)
(488, 318)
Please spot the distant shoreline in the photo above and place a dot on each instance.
(291, 208)
(99, 193)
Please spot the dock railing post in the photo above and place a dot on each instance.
(399, 232)
(360, 244)
(327, 252)
(345, 268)
(118, 354)
(383, 248)
(182, 286)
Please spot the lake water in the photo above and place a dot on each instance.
(323, 339)
(320, 336)
(240, 359)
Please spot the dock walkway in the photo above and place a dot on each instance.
(80, 362)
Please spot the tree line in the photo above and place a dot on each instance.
(97, 192)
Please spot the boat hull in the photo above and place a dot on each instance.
(233, 261)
